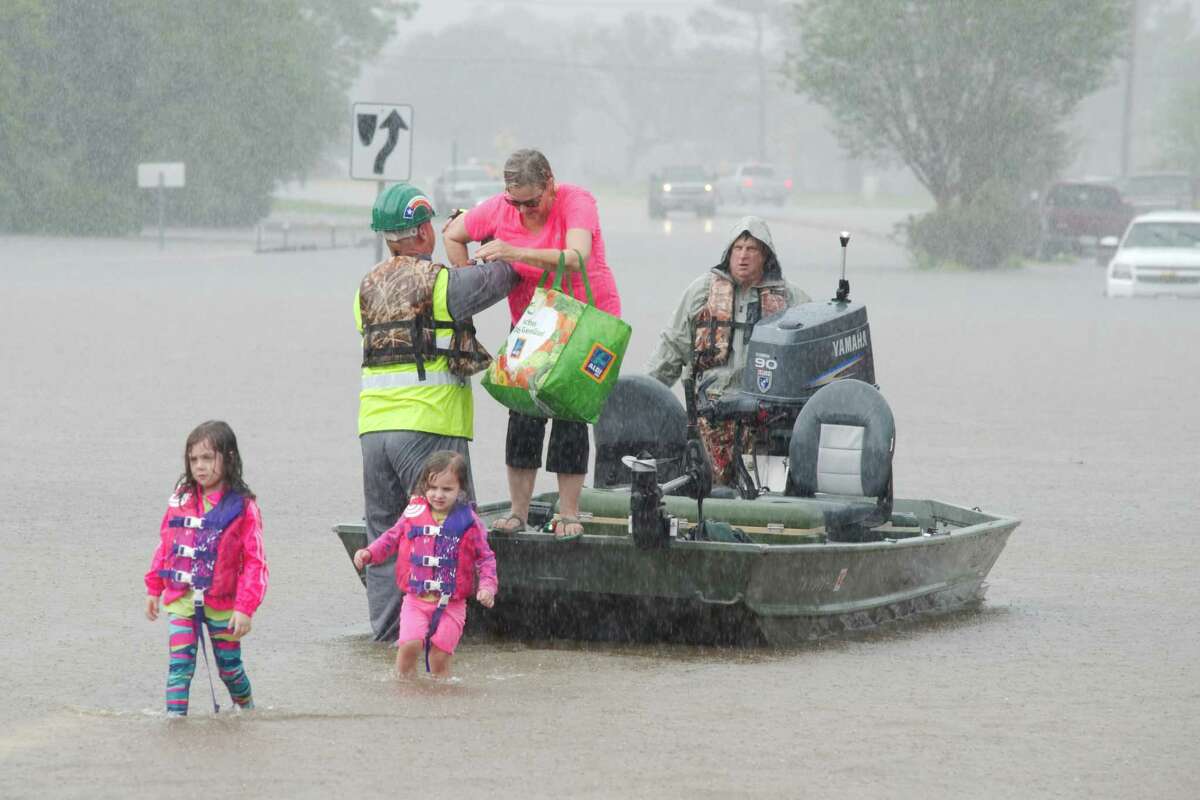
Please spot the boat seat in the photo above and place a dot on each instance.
(640, 415)
(841, 449)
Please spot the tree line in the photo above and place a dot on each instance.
(244, 93)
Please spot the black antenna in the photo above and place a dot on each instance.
(843, 290)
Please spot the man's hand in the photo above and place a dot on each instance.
(485, 598)
(152, 607)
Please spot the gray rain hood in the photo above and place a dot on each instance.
(756, 227)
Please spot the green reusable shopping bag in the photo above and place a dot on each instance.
(562, 358)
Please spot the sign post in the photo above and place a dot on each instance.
(160, 176)
(381, 157)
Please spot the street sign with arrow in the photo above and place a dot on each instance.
(381, 142)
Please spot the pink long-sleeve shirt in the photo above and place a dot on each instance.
(573, 207)
(240, 575)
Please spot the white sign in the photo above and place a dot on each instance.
(381, 142)
(169, 174)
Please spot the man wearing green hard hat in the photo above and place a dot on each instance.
(419, 351)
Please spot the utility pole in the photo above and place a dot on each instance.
(1127, 112)
(757, 9)
(762, 83)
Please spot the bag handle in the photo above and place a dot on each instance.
(587, 285)
(545, 281)
(557, 283)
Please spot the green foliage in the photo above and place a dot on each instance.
(1179, 118)
(986, 234)
(244, 93)
(1181, 135)
(968, 95)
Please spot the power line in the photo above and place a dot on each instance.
(645, 69)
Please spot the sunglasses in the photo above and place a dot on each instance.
(530, 203)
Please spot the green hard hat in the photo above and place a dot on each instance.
(400, 207)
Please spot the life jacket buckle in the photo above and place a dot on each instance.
(193, 522)
(185, 551)
(432, 586)
(180, 576)
(431, 530)
(430, 561)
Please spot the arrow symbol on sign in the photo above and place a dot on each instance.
(394, 123)
(366, 128)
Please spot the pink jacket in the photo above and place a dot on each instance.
(240, 575)
(475, 557)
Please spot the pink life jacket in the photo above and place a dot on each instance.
(431, 556)
(192, 560)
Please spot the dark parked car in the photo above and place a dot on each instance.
(687, 188)
(1078, 214)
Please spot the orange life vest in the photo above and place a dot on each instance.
(715, 324)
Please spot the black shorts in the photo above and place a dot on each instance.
(568, 451)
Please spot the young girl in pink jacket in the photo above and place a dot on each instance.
(441, 552)
(209, 567)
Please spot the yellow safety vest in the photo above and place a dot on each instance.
(393, 399)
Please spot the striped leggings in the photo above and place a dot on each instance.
(226, 652)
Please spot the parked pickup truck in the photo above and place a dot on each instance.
(689, 188)
(1078, 214)
(754, 183)
(1160, 191)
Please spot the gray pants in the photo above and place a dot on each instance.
(391, 470)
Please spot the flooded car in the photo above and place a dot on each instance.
(682, 188)
(1078, 214)
(464, 187)
(755, 183)
(1159, 255)
(1160, 191)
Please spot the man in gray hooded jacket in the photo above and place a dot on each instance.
(709, 333)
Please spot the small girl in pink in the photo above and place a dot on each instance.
(209, 568)
(441, 548)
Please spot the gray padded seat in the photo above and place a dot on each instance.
(842, 444)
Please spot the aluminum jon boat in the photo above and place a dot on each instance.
(805, 540)
(787, 585)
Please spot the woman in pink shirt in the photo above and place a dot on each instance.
(530, 225)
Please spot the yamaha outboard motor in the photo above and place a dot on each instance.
(640, 415)
(794, 353)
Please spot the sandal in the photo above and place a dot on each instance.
(504, 524)
(563, 523)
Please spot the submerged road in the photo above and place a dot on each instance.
(1020, 391)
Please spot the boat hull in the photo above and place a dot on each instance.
(603, 587)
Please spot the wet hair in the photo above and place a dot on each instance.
(441, 461)
(527, 167)
(221, 439)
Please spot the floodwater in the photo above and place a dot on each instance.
(1024, 392)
